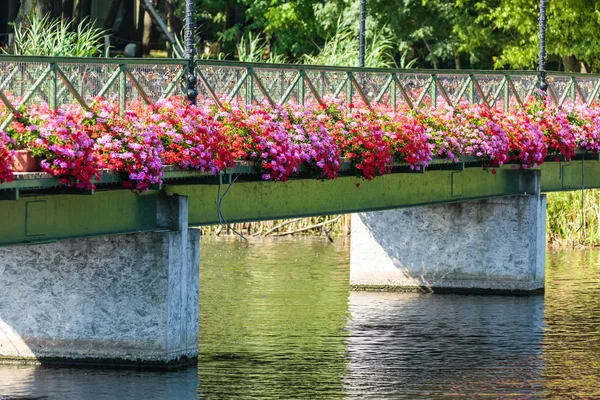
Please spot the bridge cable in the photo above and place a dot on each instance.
(220, 198)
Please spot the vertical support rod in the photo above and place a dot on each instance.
(471, 89)
(506, 89)
(394, 89)
(53, 92)
(301, 88)
(190, 27)
(349, 91)
(361, 44)
(250, 86)
(433, 90)
(122, 88)
(542, 53)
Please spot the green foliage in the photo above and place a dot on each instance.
(511, 26)
(342, 49)
(571, 222)
(253, 49)
(55, 37)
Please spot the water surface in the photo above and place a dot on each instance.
(278, 322)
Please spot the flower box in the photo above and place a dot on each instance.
(24, 161)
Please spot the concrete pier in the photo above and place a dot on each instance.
(129, 300)
(491, 246)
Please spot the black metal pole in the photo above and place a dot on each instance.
(190, 27)
(361, 44)
(542, 54)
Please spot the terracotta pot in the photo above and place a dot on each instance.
(24, 161)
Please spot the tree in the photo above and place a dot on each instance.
(512, 27)
(32, 7)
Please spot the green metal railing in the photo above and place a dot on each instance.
(57, 81)
(77, 80)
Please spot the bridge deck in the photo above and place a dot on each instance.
(36, 208)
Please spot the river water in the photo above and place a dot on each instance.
(278, 322)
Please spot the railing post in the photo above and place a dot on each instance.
(122, 88)
(573, 90)
(506, 92)
(349, 88)
(471, 89)
(53, 92)
(394, 88)
(433, 90)
(250, 85)
(301, 88)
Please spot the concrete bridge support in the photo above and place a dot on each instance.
(120, 300)
(491, 246)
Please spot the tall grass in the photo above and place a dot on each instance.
(57, 37)
(252, 48)
(571, 223)
(333, 225)
(341, 49)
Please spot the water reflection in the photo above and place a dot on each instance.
(408, 345)
(275, 329)
(572, 339)
(278, 322)
(32, 382)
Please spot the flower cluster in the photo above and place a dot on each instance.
(75, 144)
(189, 135)
(6, 174)
(126, 144)
(585, 122)
(60, 140)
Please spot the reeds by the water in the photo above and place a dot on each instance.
(568, 224)
(332, 225)
(571, 223)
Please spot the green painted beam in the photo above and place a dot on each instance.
(570, 175)
(39, 214)
(253, 201)
(46, 218)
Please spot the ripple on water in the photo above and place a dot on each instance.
(278, 322)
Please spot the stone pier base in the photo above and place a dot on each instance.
(491, 246)
(129, 300)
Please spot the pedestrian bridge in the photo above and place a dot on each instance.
(36, 208)
(111, 277)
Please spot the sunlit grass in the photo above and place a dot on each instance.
(57, 37)
(571, 224)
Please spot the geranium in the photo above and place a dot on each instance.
(127, 145)
(318, 149)
(360, 137)
(585, 122)
(554, 123)
(408, 136)
(58, 138)
(444, 142)
(528, 146)
(74, 144)
(190, 136)
(6, 156)
(256, 135)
